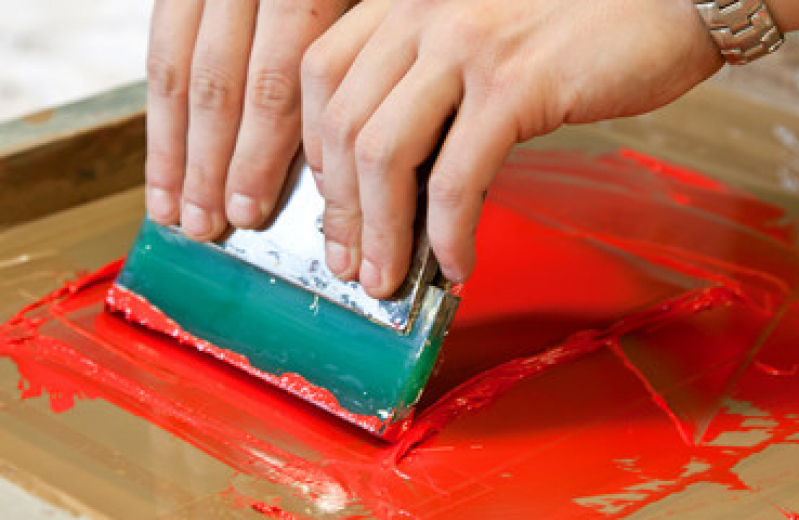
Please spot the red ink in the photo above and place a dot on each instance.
(682, 175)
(685, 279)
(790, 515)
(776, 371)
(482, 390)
(182, 403)
(269, 510)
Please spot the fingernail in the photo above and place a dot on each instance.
(244, 211)
(195, 220)
(337, 256)
(369, 275)
(160, 204)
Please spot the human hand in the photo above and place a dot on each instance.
(379, 86)
(224, 107)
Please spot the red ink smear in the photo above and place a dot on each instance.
(687, 281)
(269, 510)
(772, 371)
(151, 378)
(788, 514)
(672, 171)
(482, 390)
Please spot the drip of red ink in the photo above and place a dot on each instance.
(621, 252)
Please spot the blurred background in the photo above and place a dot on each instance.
(55, 51)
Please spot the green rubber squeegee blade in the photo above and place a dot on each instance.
(371, 370)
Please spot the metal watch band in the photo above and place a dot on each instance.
(743, 29)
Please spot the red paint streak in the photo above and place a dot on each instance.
(75, 286)
(790, 515)
(482, 390)
(138, 310)
(66, 373)
(776, 371)
(672, 171)
(269, 510)
(686, 283)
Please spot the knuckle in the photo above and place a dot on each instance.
(164, 78)
(338, 126)
(464, 27)
(299, 8)
(413, 9)
(247, 173)
(201, 186)
(388, 230)
(211, 89)
(541, 122)
(496, 83)
(255, 175)
(201, 200)
(316, 65)
(372, 154)
(446, 192)
(273, 92)
(556, 103)
(163, 169)
(342, 223)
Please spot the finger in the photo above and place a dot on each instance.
(173, 31)
(270, 129)
(400, 135)
(324, 66)
(377, 69)
(474, 150)
(218, 74)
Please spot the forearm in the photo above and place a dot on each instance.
(785, 13)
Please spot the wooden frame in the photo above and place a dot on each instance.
(59, 158)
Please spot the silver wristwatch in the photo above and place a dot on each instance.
(743, 29)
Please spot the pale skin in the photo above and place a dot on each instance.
(236, 85)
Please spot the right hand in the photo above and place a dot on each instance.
(381, 87)
(223, 102)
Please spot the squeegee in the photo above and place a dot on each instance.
(268, 295)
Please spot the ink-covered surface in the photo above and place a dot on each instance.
(617, 250)
(584, 440)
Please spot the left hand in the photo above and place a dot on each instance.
(380, 85)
